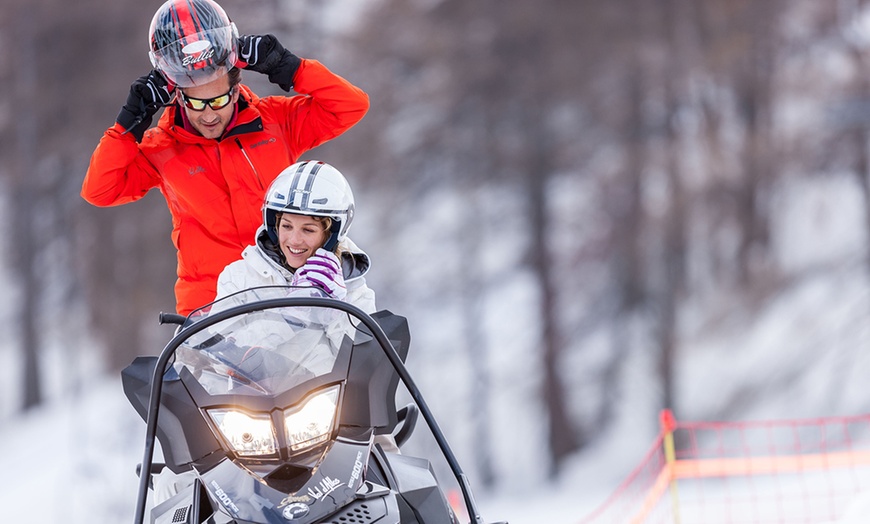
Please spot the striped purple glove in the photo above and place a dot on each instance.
(323, 271)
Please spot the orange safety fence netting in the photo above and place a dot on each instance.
(763, 472)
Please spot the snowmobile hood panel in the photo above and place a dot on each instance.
(184, 435)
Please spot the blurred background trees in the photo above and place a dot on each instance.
(547, 188)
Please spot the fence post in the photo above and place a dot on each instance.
(669, 424)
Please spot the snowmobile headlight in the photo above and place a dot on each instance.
(311, 422)
(249, 435)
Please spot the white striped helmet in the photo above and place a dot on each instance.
(310, 188)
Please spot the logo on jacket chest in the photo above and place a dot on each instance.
(192, 170)
(263, 142)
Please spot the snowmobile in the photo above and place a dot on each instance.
(278, 406)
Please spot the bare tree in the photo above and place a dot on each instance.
(23, 206)
(675, 39)
(852, 119)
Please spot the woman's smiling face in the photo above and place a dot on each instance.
(299, 236)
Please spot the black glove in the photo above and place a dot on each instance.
(264, 54)
(147, 94)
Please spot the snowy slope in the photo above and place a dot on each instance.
(73, 460)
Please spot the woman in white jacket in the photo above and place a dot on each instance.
(303, 241)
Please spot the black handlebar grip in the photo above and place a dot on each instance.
(171, 318)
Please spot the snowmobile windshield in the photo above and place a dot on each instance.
(264, 352)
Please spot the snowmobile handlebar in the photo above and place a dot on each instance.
(171, 318)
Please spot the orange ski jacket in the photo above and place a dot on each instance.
(215, 188)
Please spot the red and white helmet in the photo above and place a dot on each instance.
(192, 42)
(310, 188)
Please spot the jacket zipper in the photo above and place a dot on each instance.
(254, 169)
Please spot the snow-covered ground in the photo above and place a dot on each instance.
(72, 460)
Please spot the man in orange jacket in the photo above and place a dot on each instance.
(218, 146)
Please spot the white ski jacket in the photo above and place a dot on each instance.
(260, 266)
